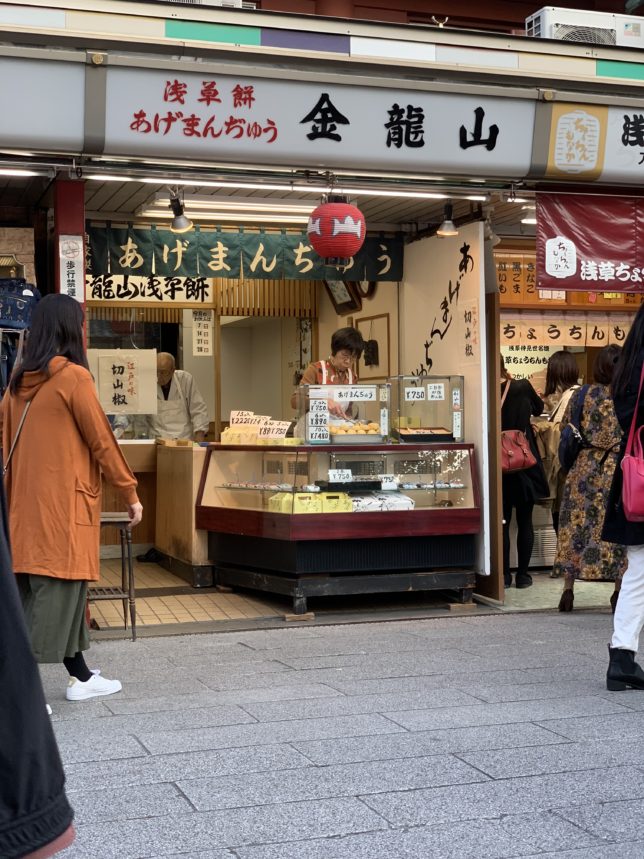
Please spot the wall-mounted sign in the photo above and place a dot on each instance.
(590, 243)
(71, 267)
(202, 254)
(536, 334)
(244, 118)
(126, 380)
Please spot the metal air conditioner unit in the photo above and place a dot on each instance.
(594, 28)
(226, 4)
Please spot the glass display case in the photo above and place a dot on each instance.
(362, 518)
(427, 408)
(359, 480)
(343, 414)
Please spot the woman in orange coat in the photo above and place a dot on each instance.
(53, 462)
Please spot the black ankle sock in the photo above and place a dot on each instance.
(77, 667)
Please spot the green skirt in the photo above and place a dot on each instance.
(55, 614)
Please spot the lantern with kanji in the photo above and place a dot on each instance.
(336, 230)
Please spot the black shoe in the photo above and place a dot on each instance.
(524, 581)
(623, 671)
(152, 556)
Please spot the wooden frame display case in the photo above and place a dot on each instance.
(362, 518)
(428, 408)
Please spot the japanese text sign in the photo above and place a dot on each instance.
(126, 380)
(590, 243)
(228, 118)
(71, 267)
(161, 266)
(202, 333)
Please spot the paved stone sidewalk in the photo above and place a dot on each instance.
(465, 737)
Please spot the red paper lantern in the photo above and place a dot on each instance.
(336, 229)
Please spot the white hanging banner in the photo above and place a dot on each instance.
(71, 267)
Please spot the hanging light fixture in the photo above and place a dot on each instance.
(448, 227)
(180, 223)
(336, 230)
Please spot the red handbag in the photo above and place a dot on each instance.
(516, 454)
(633, 469)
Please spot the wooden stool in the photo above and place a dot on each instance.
(126, 592)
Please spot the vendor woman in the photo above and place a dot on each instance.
(347, 346)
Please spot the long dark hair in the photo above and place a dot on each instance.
(562, 372)
(632, 354)
(605, 363)
(56, 329)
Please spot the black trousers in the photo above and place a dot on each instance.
(525, 534)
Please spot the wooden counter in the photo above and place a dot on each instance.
(140, 455)
(185, 548)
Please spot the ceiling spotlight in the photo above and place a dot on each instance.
(530, 216)
(180, 224)
(447, 228)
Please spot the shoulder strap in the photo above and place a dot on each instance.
(631, 433)
(505, 392)
(579, 407)
(15, 438)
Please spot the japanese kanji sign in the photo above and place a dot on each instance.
(125, 380)
(232, 118)
(70, 260)
(590, 243)
(159, 265)
(202, 333)
(535, 334)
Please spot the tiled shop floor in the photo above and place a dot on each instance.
(187, 605)
(175, 608)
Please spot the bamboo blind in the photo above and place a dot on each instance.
(266, 298)
(127, 313)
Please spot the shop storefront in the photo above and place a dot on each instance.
(243, 302)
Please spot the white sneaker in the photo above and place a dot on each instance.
(92, 688)
(49, 710)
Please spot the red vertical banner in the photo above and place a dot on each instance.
(69, 238)
(590, 243)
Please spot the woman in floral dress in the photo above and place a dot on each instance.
(581, 553)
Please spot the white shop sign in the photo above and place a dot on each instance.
(241, 117)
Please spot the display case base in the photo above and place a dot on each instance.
(197, 575)
(342, 567)
(300, 588)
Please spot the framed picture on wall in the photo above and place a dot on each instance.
(374, 328)
(343, 295)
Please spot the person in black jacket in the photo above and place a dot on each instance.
(522, 488)
(623, 670)
(35, 817)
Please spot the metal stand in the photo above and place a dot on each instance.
(126, 592)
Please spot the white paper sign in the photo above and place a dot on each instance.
(237, 416)
(126, 380)
(340, 475)
(384, 421)
(413, 395)
(349, 393)
(274, 429)
(202, 333)
(72, 273)
(457, 424)
(436, 392)
(456, 398)
(317, 420)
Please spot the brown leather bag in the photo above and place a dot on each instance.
(516, 454)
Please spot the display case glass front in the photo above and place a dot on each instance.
(335, 480)
(344, 414)
(427, 408)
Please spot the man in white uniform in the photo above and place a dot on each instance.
(181, 410)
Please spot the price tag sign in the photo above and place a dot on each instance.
(457, 424)
(436, 391)
(456, 398)
(384, 421)
(318, 434)
(340, 475)
(413, 395)
(389, 483)
(274, 429)
(349, 393)
(237, 418)
(318, 407)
